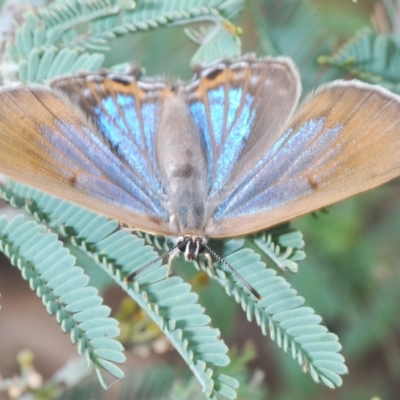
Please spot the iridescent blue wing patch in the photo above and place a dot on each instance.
(126, 113)
(241, 109)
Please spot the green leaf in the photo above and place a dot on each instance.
(370, 57)
(282, 245)
(220, 41)
(168, 302)
(35, 259)
(47, 44)
(292, 28)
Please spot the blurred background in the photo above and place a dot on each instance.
(351, 273)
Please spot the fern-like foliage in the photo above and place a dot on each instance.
(49, 42)
(169, 302)
(222, 38)
(62, 286)
(371, 57)
(280, 312)
(173, 307)
(283, 246)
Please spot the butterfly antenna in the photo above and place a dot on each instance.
(238, 276)
(131, 276)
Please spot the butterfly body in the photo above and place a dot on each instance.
(182, 163)
(222, 155)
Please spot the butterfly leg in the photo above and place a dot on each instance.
(209, 262)
(173, 255)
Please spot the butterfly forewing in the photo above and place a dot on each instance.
(344, 140)
(48, 143)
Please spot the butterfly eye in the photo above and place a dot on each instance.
(182, 243)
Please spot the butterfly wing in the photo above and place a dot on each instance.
(101, 146)
(103, 159)
(157, 140)
(344, 140)
(241, 109)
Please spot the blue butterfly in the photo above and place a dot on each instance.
(220, 156)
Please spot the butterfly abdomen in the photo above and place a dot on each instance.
(182, 162)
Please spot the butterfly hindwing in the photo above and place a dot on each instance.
(344, 140)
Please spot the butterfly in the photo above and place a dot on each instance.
(223, 155)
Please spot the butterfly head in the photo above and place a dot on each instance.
(191, 246)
